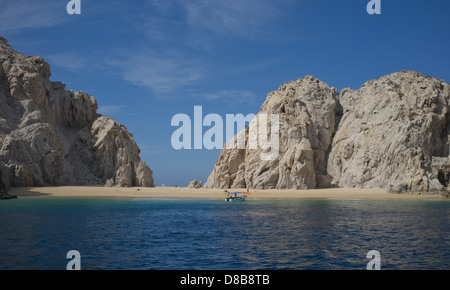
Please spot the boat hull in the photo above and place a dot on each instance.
(238, 198)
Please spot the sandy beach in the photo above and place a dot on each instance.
(180, 192)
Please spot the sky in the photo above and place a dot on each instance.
(146, 61)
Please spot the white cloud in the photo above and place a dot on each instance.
(67, 60)
(161, 5)
(200, 24)
(231, 17)
(22, 14)
(162, 72)
(174, 75)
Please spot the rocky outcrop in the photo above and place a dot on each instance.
(195, 184)
(6, 196)
(52, 136)
(306, 110)
(392, 133)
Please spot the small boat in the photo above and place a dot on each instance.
(236, 196)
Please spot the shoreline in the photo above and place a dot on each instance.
(216, 194)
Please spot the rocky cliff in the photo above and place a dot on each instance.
(52, 136)
(306, 110)
(392, 133)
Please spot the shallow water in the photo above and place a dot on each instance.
(37, 233)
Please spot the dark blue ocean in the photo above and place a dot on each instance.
(173, 234)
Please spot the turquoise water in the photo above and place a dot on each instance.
(37, 233)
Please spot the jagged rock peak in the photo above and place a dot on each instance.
(306, 110)
(4, 44)
(52, 136)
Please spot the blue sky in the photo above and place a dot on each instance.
(145, 61)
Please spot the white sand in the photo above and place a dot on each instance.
(172, 192)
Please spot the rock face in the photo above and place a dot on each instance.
(392, 133)
(51, 136)
(306, 110)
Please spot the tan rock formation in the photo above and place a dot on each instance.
(307, 122)
(392, 133)
(51, 136)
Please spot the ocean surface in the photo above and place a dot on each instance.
(189, 234)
